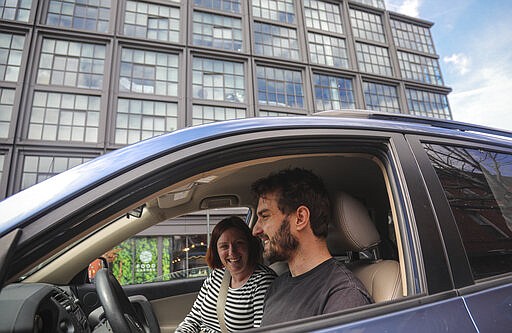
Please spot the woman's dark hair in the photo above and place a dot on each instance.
(255, 248)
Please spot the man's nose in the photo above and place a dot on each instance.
(256, 230)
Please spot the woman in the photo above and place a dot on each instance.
(232, 247)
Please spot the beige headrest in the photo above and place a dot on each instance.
(352, 228)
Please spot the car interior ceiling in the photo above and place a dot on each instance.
(356, 174)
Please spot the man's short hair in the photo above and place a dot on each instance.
(296, 187)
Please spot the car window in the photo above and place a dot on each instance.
(478, 186)
(170, 250)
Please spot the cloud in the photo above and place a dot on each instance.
(458, 62)
(406, 7)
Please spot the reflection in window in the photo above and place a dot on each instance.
(333, 93)
(92, 15)
(11, 50)
(72, 64)
(280, 87)
(202, 114)
(218, 80)
(64, 117)
(381, 97)
(373, 3)
(149, 72)
(275, 41)
(137, 120)
(6, 109)
(478, 186)
(152, 21)
(428, 104)
(367, 25)
(15, 10)
(221, 32)
(412, 37)
(419, 68)
(323, 15)
(232, 6)
(277, 10)
(39, 168)
(373, 59)
(326, 50)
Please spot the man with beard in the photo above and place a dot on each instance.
(293, 215)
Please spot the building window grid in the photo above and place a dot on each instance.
(276, 10)
(419, 68)
(11, 51)
(265, 113)
(280, 87)
(152, 21)
(428, 104)
(203, 114)
(218, 80)
(149, 72)
(328, 50)
(412, 37)
(230, 6)
(64, 117)
(218, 31)
(381, 97)
(72, 64)
(276, 41)
(367, 25)
(39, 168)
(92, 15)
(373, 3)
(373, 59)
(6, 110)
(324, 16)
(333, 93)
(15, 10)
(138, 120)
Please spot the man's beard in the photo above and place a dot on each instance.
(282, 245)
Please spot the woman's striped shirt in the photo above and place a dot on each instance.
(244, 305)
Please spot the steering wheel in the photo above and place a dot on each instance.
(119, 311)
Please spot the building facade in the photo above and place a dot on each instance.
(79, 78)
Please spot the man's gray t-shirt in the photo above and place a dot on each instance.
(329, 287)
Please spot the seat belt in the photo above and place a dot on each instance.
(221, 301)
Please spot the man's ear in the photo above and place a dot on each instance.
(302, 213)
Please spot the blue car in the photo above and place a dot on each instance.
(437, 193)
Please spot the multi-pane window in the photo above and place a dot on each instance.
(280, 87)
(72, 64)
(6, 111)
(367, 25)
(148, 72)
(218, 31)
(137, 120)
(275, 114)
(218, 80)
(38, 168)
(419, 68)
(327, 50)
(277, 10)
(64, 117)
(412, 37)
(381, 97)
(152, 21)
(2, 162)
(323, 15)
(275, 41)
(428, 104)
(373, 3)
(11, 50)
(373, 59)
(92, 15)
(202, 114)
(15, 10)
(232, 6)
(333, 93)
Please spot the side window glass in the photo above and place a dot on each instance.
(478, 185)
(170, 250)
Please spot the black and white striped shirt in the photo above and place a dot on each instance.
(244, 305)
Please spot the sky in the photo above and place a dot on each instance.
(473, 39)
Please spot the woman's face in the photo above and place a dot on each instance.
(233, 249)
